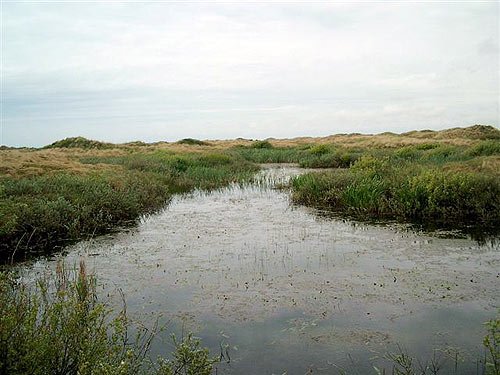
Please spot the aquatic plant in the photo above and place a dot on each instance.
(377, 188)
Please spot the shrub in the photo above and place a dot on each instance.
(80, 142)
(492, 344)
(262, 144)
(320, 149)
(58, 326)
(192, 141)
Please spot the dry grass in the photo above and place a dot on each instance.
(29, 162)
(455, 136)
(489, 165)
(18, 163)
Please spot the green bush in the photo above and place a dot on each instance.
(80, 142)
(192, 141)
(58, 326)
(262, 144)
(492, 344)
(320, 149)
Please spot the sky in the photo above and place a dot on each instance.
(167, 70)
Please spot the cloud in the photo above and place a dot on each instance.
(250, 69)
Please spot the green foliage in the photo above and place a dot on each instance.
(189, 358)
(377, 188)
(80, 142)
(192, 141)
(426, 146)
(46, 211)
(492, 343)
(330, 159)
(270, 155)
(58, 326)
(320, 149)
(486, 148)
(61, 328)
(49, 210)
(261, 144)
(318, 156)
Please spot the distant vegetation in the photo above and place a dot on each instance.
(80, 142)
(192, 141)
(472, 132)
(261, 144)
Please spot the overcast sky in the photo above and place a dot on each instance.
(118, 72)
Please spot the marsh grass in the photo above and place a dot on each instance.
(447, 360)
(81, 188)
(59, 326)
(40, 213)
(270, 154)
(441, 185)
(306, 155)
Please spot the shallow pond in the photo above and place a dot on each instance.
(284, 289)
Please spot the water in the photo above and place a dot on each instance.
(286, 290)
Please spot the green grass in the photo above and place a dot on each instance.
(269, 154)
(59, 326)
(41, 213)
(437, 184)
(307, 156)
(409, 191)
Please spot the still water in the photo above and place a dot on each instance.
(285, 289)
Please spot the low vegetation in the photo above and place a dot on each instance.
(59, 326)
(192, 141)
(41, 212)
(440, 185)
